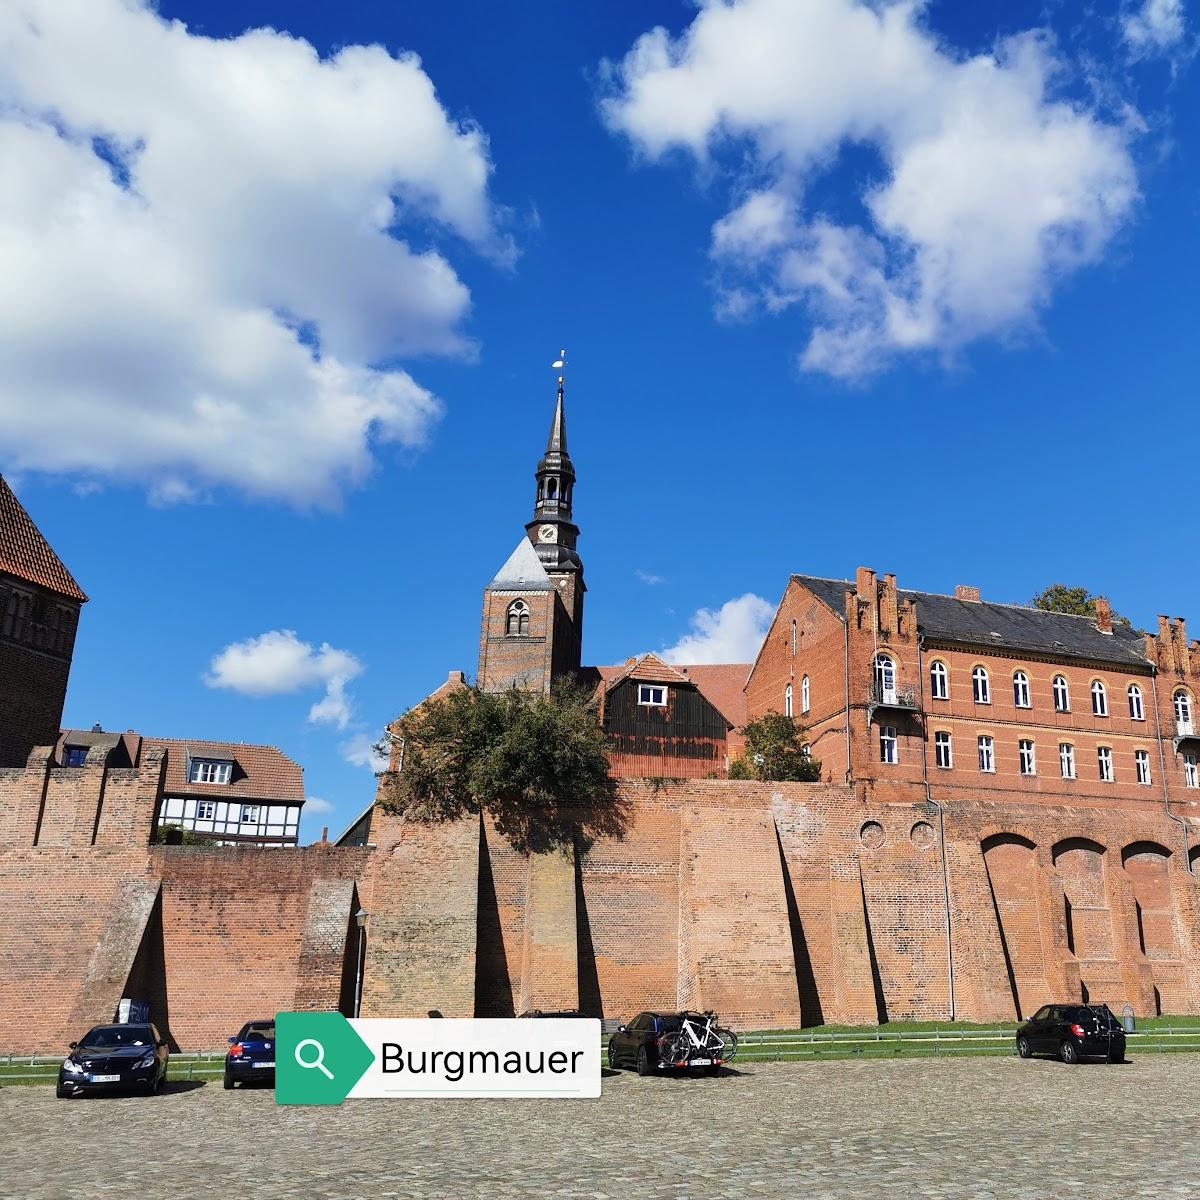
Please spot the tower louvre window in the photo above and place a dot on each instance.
(517, 622)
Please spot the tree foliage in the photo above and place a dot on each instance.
(538, 764)
(1076, 601)
(776, 749)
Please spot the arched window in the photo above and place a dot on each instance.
(939, 680)
(804, 694)
(1062, 694)
(1183, 711)
(517, 622)
(793, 639)
(1099, 698)
(885, 675)
(1136, 711)
(787, 701)
(981, 687)
(1021, 689)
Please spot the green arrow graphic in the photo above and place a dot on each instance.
(318, 1058)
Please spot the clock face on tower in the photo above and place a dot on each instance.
(548, 533)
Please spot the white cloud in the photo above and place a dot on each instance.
(649, 579)
(359, 751)
(314, 804)
(278, 662)
(730, 634)
(216, 250)
(1156, 27)
(992, 189)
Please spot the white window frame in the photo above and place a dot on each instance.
(1191, 774)
(1104, 764)
(889, 746)
(1066, 760)
(249, 814)
(210, 770)
(805, 694)
(939, 680)
(206, 810)
(884, 668)
(943, 749)
(1137, 711)
(1099, 698)
(1182, 701)
(1021, 690)
(1062, 694)
(987, 753)
(1027, 753)
(981, 684)
(1141, 762)
(787, 701)
(647, 693)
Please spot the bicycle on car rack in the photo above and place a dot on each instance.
(698, 1042)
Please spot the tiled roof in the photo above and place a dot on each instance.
(1002, 626)
(26, 554)
(259, 773)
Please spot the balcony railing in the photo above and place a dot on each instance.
(905, 698)
(1185, 732)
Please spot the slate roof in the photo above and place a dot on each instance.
(25, 553)
(1002, 626)
(523, 571)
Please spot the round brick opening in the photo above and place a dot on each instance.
(872, 835)
(922, 835)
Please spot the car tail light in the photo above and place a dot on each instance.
(1077, 1030)
(236, 1050)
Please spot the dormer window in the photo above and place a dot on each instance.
(74, 756)
(210, 770)
(652, 695)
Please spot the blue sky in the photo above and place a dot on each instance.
(906, 288)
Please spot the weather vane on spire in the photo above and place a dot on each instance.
(559, 363)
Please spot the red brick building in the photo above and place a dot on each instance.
(39, 614)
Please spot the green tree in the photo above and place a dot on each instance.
(1077, 601)
(538, 764)
(776, 749)
(187, 837)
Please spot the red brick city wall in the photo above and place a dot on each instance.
(772, 903)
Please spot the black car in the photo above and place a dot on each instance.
(562, 1012)
(1073, 1032)
(108, 1057)
(251, 1055)
(642, 1042)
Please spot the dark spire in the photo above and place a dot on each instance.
(551, 530)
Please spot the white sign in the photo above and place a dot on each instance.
(535, 1056)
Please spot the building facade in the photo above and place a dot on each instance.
(39, 615)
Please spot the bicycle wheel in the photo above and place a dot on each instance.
(729, 1038)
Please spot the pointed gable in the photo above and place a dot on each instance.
(26, 554)
(523, 572)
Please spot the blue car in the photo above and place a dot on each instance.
(251, 1055)
(108, 1057)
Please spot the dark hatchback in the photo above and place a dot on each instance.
(112, 1057)
(251, 1055)
(1073, 1032)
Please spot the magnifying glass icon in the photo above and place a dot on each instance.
(310, 1062)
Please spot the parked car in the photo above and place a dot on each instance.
(111, 1057)
(1072, 1032)
(251, 1054)
(656, 1041)
(562, 1012)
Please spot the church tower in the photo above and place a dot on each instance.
(532, 631)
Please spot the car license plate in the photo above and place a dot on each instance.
(265, 1064)
(104, 1079)
(700, 1062)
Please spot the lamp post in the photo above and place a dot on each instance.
(360, 918)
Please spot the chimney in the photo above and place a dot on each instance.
(964, 591)
(1103, 615)
(324, 834)
(456, 677)
(864, 580)
(1183, 653)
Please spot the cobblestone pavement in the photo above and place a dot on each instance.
(969, 1127)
